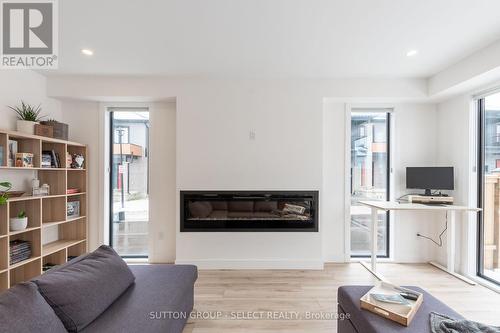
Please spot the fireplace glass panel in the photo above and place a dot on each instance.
(264, 211)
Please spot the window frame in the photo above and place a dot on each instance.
(481, 110)
(110, 180)
(389, 122)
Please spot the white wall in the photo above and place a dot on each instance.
(162, 192)
(83, 120)
(213, 121)
(414, 145)
(215, 152)
(454, 149)
(332, 196)
(26, 85)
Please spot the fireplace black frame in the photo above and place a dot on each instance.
(222, 227)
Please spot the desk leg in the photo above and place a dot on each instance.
(374, 235)
(450, 259)
(374, 240)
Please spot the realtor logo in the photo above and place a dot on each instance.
(29, 34)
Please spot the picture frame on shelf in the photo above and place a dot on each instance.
(46, 160)
(69, 160)
(77, 161)
(12, 153)
(72, 209)
(24, 160)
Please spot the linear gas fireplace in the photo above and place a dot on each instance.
(249, 211)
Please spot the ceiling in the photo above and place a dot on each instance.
(272, 38)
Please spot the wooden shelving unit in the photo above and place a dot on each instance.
(44, 212)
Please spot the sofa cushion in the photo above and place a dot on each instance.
(200, 208)
(85, 287)
(23, 309)
(265, 206)
(160, 300)
(240, 206)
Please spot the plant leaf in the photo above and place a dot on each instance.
(28, 112)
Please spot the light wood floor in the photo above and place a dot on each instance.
(315, 292)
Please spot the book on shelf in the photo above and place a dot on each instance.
(19, 247)
(54, 159)
(46, 160)
(21, 257)
(19, 251)
(18, 243)
(58, 160)
(15, 261)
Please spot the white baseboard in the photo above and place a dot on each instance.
(252, 264)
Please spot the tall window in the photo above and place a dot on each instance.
(489, 188)
(129, 182)
(370, 133)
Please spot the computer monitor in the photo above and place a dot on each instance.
(430, 178)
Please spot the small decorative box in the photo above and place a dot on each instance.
(44, 130)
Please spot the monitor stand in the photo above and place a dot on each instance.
(428, 192)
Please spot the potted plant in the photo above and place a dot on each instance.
(20, 222)
(4, 196)
(28, 116)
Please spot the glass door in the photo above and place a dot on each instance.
(489, 188)
(370, 175)
(129, 182)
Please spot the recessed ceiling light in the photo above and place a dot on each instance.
(411, 53)
(87, 52)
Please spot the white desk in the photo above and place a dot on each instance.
(392, 205)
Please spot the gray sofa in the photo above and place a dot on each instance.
(353, 319)
(145, 306)
(98, 292)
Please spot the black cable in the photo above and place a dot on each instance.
(440, 244)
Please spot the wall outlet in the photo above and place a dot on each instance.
(251, 135)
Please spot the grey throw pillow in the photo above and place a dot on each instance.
(23, 309)
(85, 287)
